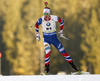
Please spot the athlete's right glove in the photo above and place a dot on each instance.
(38, 37)
(61, 34)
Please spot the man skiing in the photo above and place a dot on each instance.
(48, 23)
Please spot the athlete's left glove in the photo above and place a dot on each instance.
(61, 35)
(38, 37)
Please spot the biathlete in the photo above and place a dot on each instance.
(48, 23)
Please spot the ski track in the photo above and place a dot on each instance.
(51, 78)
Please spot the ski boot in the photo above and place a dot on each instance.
(74, 67)
(46, 70)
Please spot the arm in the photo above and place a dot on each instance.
(61, 21)
(37, 26)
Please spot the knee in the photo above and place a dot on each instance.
(47, 48)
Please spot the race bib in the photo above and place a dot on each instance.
(49, 26)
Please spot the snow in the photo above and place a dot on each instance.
(51, 78)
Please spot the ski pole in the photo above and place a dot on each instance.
(33, 30)
(65, 37)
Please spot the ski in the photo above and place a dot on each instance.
(80, 73)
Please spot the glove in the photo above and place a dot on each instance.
(38, 37)
(60, 34)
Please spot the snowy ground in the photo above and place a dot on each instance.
(51, 78)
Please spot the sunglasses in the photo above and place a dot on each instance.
(46, 13)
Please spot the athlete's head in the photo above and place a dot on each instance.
(46, 10)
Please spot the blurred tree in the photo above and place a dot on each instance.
(91, 37)
(5, 64)
(21, 50)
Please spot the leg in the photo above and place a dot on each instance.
(47, 51)
(67, 57)
(47, 56)
(61, 49)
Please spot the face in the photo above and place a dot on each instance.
(46, 15)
